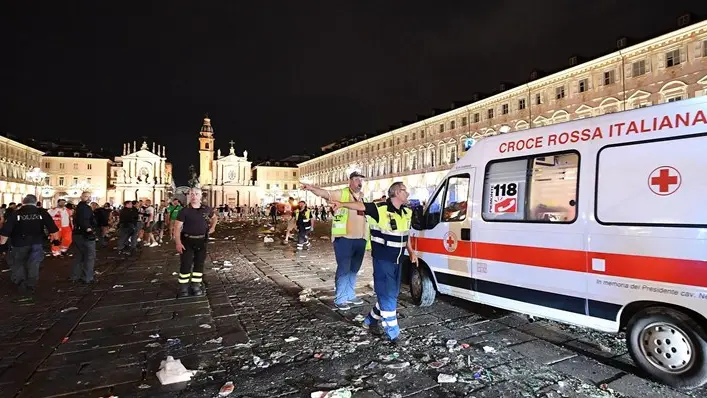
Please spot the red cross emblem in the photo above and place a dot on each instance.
(450, 241)
(664, 180)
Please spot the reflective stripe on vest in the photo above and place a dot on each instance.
(306, 220)
(389, 244)
(341, 217)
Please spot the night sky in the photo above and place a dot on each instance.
(278, 77)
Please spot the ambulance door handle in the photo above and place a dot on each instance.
(466, 234)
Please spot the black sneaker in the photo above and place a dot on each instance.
(183, 290)
(342, 307)
(196, 289)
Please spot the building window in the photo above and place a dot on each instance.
(477, 117)
(583, 85)
(61, 166)
(76, 181)
(464, 121)
(490, 113)
(704, 48)
(47, 165)
(88, 180)
(422, 133)
(609, 77)
(673, 99)
(672, 58)
(89, 166)
(76, 154)
(560, 92)
(452, 125)
(526, 190)
(61, 181)
(294, 174)
(267, 186)
(76, 166)
(285, 186)
(441, 128)
(639, 68)
(385, 144)
(61, 153)
(521, 104)
(397, 141)
(504, 109)
(538, 99)
(406, 139)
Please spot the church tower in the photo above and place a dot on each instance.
(206, 152)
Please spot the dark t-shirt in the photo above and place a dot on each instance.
(26, 226)
(196, 221)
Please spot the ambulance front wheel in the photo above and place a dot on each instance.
(669, 345)
(422, 288)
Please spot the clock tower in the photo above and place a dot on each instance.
(206, 152)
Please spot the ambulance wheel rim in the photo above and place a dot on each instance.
(667, 347)
(415, 284)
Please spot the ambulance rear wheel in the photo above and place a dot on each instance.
(422, 288)
(669, 346)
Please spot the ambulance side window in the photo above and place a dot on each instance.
(532, 189)
(455, 202)
(433, 214)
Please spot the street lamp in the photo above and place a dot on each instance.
(36, 175)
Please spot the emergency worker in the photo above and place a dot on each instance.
(196, 222)
(25, 228)
(389, 223)
(84, 237)
(303, 218)
(62, 219)
(349, 234)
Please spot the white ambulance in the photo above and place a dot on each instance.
(598, 222)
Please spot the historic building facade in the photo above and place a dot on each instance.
(70, 174)
(667, 68)
(141, 173)
(225, 179)
(277, 181)
(16, 160)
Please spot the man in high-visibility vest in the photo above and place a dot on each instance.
(349, 233)
(389, 222)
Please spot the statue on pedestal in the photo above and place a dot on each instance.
(193, 178)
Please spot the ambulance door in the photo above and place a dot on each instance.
(447, 235)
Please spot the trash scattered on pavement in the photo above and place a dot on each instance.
(69, 309)
(117, 286)
(205, 326)
(173, 342)
(259, 362)
(154, 281)
(64, 340)
(143, 386)
(268, 239)
(340, 393)
(153, 345)
(227, 389)
(291, 339)
(155, 336)
(172, 371)
(306, 295)
(389, 376)
(445, 378)
(359, 318)
(215, 341)
(399, 365)
(489, 350)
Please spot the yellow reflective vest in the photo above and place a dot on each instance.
(341, 217)
(389, 235)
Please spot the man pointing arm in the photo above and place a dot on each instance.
(349, 234)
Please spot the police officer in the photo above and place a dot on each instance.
(196, 222)
(303, 218)
(25, 227)
(84, 238)
(389, 223)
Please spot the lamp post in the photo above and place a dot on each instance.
(36, 175)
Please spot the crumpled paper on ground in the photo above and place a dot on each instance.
(172, 371)
(340, 393)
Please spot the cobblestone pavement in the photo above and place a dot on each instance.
(267, 324)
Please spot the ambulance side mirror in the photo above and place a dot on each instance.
(418, 218)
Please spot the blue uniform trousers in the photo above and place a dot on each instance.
(349, 257)
(25, 262)
(386, 283)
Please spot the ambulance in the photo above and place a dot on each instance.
(598, 222)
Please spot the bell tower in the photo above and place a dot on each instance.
(206, 152)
